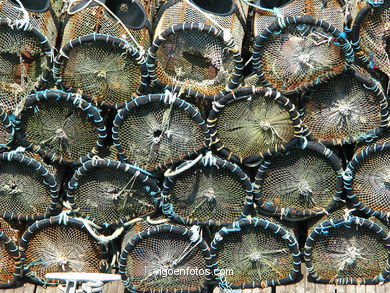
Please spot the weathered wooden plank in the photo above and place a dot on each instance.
(27, 288)
(351, 289)
(321, 288)
(380, 289)
(361, 289)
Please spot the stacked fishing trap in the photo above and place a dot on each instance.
(192, 144)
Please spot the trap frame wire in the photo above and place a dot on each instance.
(73, 100)
(294, 213)
(136, 175)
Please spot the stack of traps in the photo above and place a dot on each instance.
(194, 135)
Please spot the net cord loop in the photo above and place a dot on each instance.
(140, 48)
(194, 243)
(103, 240)
(183, 167)
(23, 23)
(209, 159)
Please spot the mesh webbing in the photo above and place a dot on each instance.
(109, 192)
(253, 122)
(298, 52)
(345, 110)
(299, 183)
(351, 251)
(27, 191)
(216, 194)
(60, 248)
(153, 133)
(164, 247)
(104, 68)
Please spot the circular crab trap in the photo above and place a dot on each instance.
(156, 131)
(125, 19)
(107, 69)
(227, 14)
(348, 251)
(347, 109)
(207, 191)
(150, 257)
(28, 191)
(39, 13)
(366, 180)
(61, 127)
(299, 184)
(198, 59)
(371, 35)
(25, 54)
(6, 131)
(10, 263)
(109, 192)
(251, 123)
(60, 244)
(255, 253)
(330, 11)
(296, 53)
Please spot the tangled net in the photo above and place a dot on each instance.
(61, 127)
(107, 69)
(195, 58)
(371, 36)
(211, 192)
(156, 131)
(347, 109)
(348, 251)
(28, 191)
(367, 180)
(41, 16)
(296, 53)
(109, 192)
(154, 252)
(25, 54)
(59, 245)
(258, 252)
(253, 122)
(302, 183)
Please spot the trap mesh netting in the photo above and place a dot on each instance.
(255, 253)
(28, 191)
(367, 180)
(10, 263)
(199, 59)
(371, 35)
(148, 258)
(109, 192)
(61, 127)
(296, 53)
(60, 245)
(106, 69)
(156, 131)
(330, 11)
(228, 14)
(347, 109)
(123, 19)
(348, 250)
(40, 16)
(6, 130)
(302, 183)
(24, 55)
(252, 122)
(211, 192)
